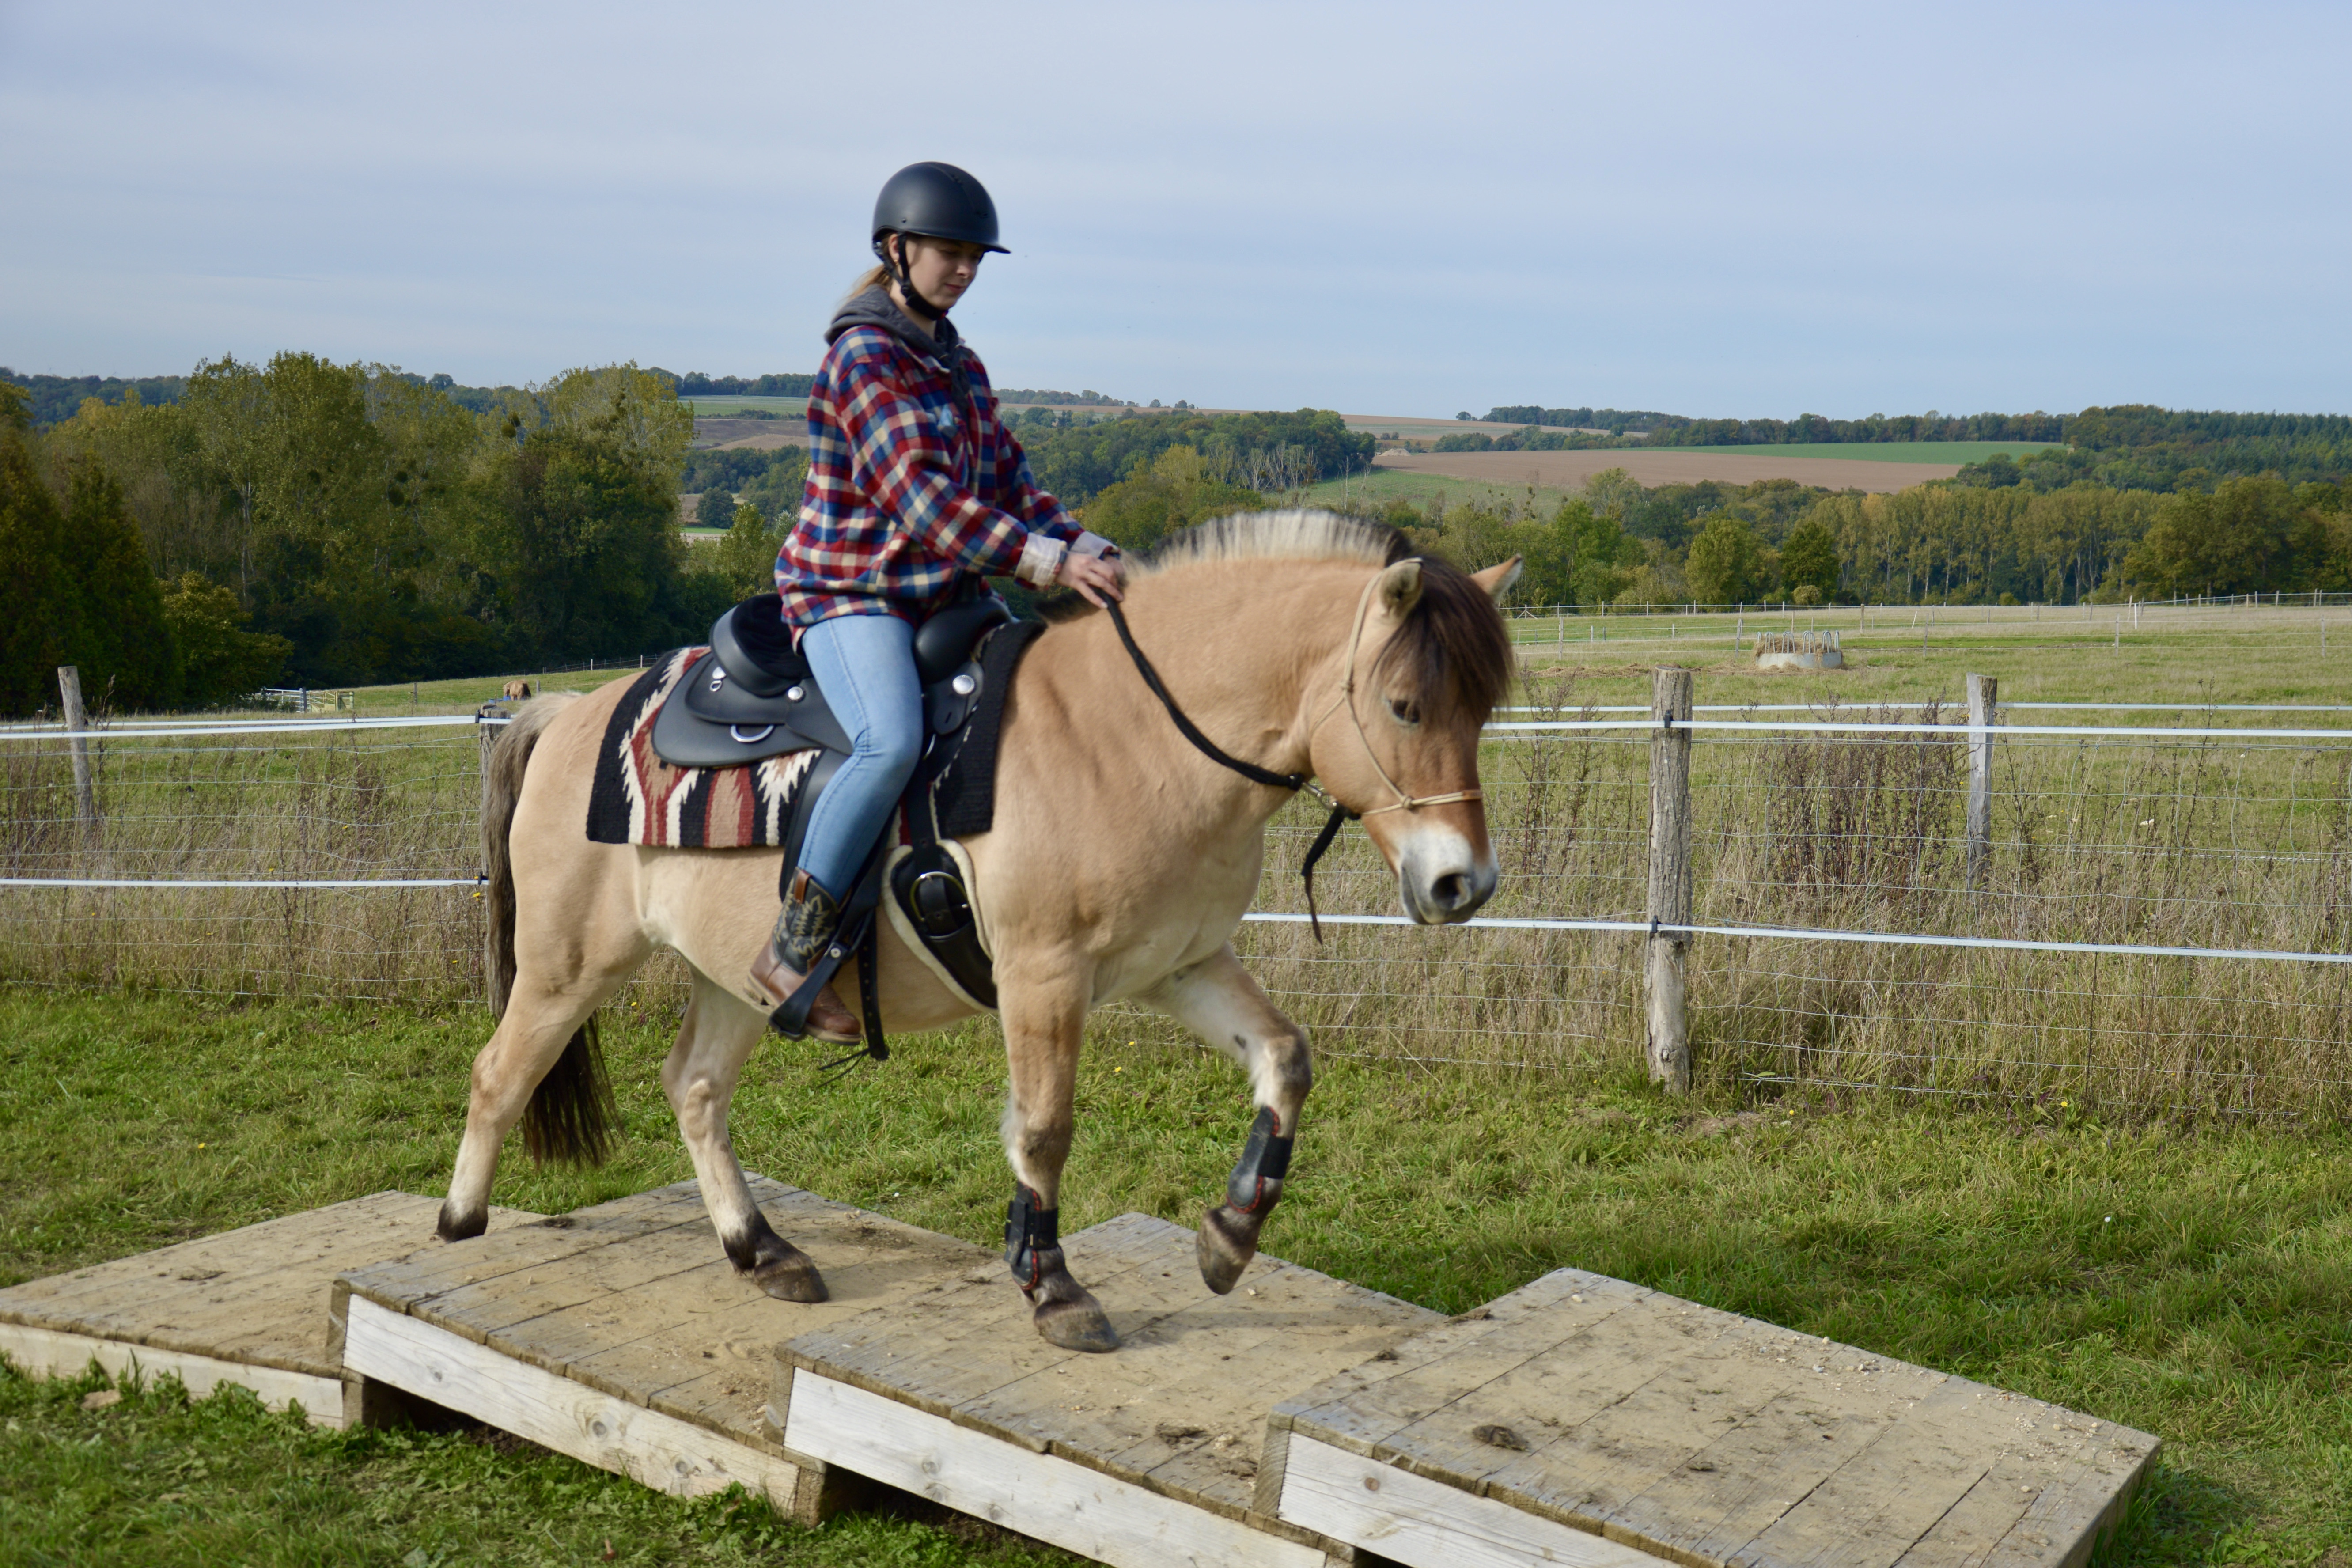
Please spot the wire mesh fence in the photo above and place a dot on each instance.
(2209, 862)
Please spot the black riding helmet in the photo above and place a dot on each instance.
(935, 201)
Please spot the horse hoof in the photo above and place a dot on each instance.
(791, 1279)
(452, 1226)
(1077, 1325)
(1225, 1244)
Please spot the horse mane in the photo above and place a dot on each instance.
(1452, 654)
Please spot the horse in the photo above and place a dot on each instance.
(1121, 859)
(516, 690)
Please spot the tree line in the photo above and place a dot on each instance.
(1940, 543)
(2125, 446)
(327, 524)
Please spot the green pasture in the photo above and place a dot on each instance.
(1381, 486)
(1882, 451)
(2056, 653)
(715, 406)
(2191, 1281)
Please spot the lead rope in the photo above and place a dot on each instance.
(1340, 815)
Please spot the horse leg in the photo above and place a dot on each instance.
(714, 1039)
(540, 1023)
(1044, 1021)
(1218, 1000)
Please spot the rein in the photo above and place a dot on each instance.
(1295, 782)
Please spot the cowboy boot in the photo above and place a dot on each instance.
(810, 918)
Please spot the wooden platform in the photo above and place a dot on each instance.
(1299, 1422)
(622, 1336)
(1144, 1458)
(1583, 1420)
(247, 1307)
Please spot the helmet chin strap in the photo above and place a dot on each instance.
(905, 272)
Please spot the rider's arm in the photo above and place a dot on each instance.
(1038, 508)
(897, 459)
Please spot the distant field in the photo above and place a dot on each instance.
(1670, 466)
(719, 407)
(1884, 451)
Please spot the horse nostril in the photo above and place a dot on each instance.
(1451, 890)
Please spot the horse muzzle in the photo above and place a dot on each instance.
(1441, 879)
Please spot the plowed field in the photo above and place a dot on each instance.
(1569, 470)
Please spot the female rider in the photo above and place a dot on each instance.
(916, 492)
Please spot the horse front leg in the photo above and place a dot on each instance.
(1044, 1011)
(1219, 1000)
(714, 1040)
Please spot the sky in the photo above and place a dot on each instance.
(1730, 210)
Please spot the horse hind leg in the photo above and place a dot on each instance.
(1219, 1001)
(714, 1040)
(542, 1063)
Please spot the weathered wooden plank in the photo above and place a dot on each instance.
(254, 1294)
(1366, 1410)
(1424, 1523)
(657, 1450)
(176, 1279)
(2050, 1503)
(1868, 1511)
(1705, 1437)
(47, 1353)
(423, 1275)
(1077, 1509)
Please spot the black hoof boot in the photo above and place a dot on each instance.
(1226, 1242)
(776, 1266)
(1229, 1231)
(456, 1226)
(1065, 1315)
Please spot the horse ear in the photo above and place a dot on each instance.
(1400, 589)
(1498, 580)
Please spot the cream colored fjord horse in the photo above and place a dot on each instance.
(1121, 863)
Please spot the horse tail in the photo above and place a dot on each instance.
(572, 1115)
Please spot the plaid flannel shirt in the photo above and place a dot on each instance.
(911, 486)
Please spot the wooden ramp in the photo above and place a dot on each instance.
(622, 1336)
(1583, 1420)
(1146, 1458)
(248, 1307)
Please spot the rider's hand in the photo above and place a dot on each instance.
(1091, 577)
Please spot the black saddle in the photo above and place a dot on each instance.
(754, 697)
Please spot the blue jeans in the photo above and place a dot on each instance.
(865, 665)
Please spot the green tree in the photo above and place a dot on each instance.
(1810, 559)
(1175, 492)
(44, 611)
(2234, 540)
(744, 560)
(123, 642)
(1728, 563)
(220, 660)
(582, 489)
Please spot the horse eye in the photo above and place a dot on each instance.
(1405, 712)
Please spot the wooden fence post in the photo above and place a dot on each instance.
(77, 721)
(1670, 878)
(1984, 692)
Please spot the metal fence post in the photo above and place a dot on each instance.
(1670, 878)
(77, 721)
(1984, 693)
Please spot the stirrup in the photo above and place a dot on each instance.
(827, 1019)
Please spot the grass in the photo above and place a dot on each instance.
(2192, 1282)
(708, 405)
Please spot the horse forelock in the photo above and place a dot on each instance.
(1451, 652)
